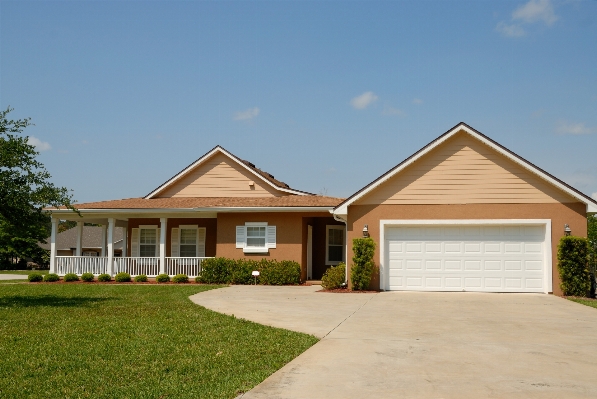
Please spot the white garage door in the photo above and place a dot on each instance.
(507, 258)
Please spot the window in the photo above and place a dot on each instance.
(188, 243)
(90, 253)
(148, 239)
(334, 250)
(255, 237)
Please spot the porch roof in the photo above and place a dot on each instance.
(290, 201)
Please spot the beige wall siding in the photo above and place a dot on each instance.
(464, 171)
(220, 176)
(573, 214)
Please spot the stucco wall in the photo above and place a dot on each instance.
(573, 214)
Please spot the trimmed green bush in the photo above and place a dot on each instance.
(68, 277)
(334, 277)
(285, 272)
(35, 277)
(241, 271)
(51, 278)
(573, 258)
(104, 278)
(87, 277)
(216, 270)
(180, 279)
(141, 278)
(162, 278)
(363, 266)
(122, 277)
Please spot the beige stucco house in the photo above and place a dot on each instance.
(462, 214)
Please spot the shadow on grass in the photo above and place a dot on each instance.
(27, 301)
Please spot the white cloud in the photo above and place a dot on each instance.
(510, 30)
(574, 128)
(364, 100)
(393, 111)
(536, 10)
(246, 115)
(38, 144)
(528, 13)
(417, 101)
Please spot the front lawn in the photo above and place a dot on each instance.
(584, 301)
(127, 341)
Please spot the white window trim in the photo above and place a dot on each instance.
(327, 244)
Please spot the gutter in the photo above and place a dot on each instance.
(205, 209)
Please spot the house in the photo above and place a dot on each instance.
(466, 214)
(220, 205)
(93, 241)
(462, 214)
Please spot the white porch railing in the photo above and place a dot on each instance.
(81, 264)
(189, 266)
(150, 266)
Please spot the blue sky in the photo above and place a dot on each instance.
(326, 96)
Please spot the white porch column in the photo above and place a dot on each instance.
(124, 240)
(110, 267)
(79, 239)
(103, 253)
(53, 245)
(163, 224)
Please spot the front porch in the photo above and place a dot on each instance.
(149, 266)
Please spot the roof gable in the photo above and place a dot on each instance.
(220, 174)
(460, 156)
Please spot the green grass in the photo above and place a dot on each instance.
(111, 341)
(585, 301)
(25, 272)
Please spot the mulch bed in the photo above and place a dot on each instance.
(347, 291)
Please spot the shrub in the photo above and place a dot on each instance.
(87, 277)
(334, 277)
(573, 256)
(35, 277)
(104, 278)
(122, 277)
(198, 279)
(51, 277)
(242, 271)
(180, 279)
(141, 278)
(68, 277)
(162, 278)
(362, 263)
(216, 270)
(284, 272)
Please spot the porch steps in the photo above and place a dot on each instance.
(313, 282)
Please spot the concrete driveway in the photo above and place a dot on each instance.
(13, 277)
(423, 345)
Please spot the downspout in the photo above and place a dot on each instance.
(339, 219)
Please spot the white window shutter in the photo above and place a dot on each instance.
(174, 243)
(201, 242)
(240, 236)
(271, 236)
(135, 243)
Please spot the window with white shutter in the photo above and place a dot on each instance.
(255, 237)
(188, 241)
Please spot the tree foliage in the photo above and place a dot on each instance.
(25, 190)
(592, 237)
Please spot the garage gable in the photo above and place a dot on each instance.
(463, 170)
(463, 166)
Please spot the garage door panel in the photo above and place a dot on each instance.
(475, 258)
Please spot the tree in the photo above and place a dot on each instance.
(25, 190)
